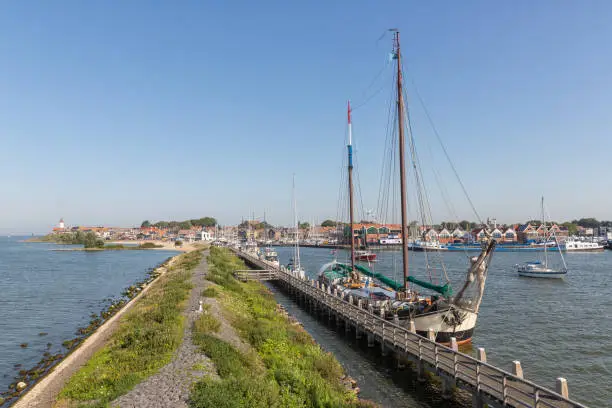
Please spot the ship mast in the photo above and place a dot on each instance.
(350, 185)
(402, 165)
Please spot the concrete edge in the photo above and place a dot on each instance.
(46, 390)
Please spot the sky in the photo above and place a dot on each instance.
(115, 112)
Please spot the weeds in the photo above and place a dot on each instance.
(148, 336)
(210, 292)
(287, 368)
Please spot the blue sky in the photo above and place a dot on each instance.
(114, 112)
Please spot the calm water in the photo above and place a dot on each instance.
(55, 292)
(554, 327)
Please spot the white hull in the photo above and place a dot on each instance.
(545, 275)
(441, 323)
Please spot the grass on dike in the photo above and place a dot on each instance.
(286, 368)
(145, 341)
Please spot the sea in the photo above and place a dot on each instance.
(46, 295)
(555, 328)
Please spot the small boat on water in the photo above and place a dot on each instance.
(365, 256)
(574, 245)
(270, 255)
(538, 269)
(420, 245)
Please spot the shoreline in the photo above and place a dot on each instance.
(128, 245)
(44, 390)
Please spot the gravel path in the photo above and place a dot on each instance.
(170, 386)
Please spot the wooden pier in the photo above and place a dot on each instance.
(488, 384)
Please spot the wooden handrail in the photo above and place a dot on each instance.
(381, 327)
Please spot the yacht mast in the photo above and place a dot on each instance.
(545, 236)
(350, 182)
(402, 164)
(296, 259)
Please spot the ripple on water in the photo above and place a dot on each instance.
(55, 292)
(554, 327)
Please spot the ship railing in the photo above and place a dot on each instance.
(482, 377)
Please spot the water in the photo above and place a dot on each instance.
(556, 328)
(54, 292)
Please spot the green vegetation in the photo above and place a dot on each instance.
(284, 369)
(176, 225)
(329, 223)
(207, 323)
(210, 292)
(87, 239)
(149, 245)
(178, 243)
(304, 225)
(146, 340)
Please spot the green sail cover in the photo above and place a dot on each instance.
(444, 290)
(387, 281)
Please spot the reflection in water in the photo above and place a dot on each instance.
(556, 328)
(376, 376)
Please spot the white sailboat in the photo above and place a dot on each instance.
(541, 269)
(294, 264)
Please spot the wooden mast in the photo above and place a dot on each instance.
(400, 124)
(350, 183)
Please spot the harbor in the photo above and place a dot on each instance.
(306, 204)
(488, 384)
(538, 351)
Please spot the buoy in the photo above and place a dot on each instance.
(20, 386)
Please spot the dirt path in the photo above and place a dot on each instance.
(170, 386)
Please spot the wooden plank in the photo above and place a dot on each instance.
(494, 382)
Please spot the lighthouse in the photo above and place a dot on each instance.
(61, 224)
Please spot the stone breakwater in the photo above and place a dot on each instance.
(44, 381)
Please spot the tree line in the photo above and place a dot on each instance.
(178, 225)
(87, 239)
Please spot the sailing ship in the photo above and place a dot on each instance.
(448, 315)
(541, 269)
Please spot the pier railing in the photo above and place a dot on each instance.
(489, 382)
(257, 275)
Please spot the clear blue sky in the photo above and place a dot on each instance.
(117, 111)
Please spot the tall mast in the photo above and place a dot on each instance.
(545, 236)
(400, 124)
(350, 182)
(296, 259)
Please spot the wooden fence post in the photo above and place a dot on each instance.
(562, 387)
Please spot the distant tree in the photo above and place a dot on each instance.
(588, 222)
(90, 240)
(161, 224)
(178, 243)
(534, 222)
(329, 223)
(204, 222)
(467, 225)
(572, 228)
(145, 224)
(184, 225)
(448, 225)
(304, 225)
(366, 222)
(99, 243)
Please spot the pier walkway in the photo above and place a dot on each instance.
(488, 384)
